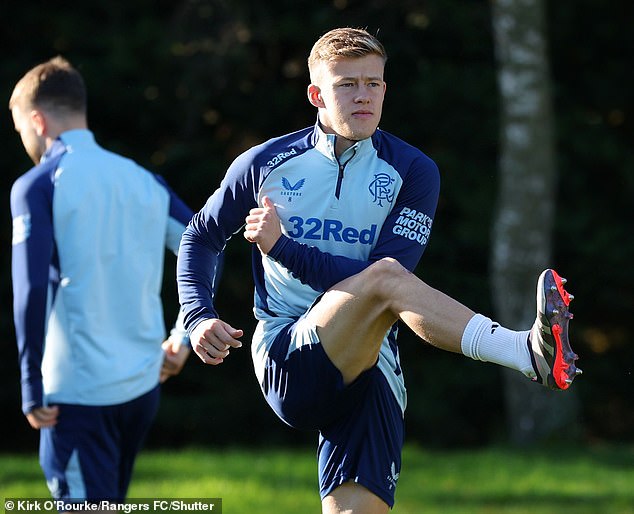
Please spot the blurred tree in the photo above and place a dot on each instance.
(523, 226)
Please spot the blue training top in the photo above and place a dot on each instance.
(338, 216)
(89, 235)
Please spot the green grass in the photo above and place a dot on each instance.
(587, 480)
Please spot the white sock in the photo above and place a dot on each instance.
(485, 340)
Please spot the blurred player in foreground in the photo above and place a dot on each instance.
(90, 230)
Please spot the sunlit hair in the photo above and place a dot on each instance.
(344, 42)
(52, 85)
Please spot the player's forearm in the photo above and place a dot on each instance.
(320, 270)
(195, 274)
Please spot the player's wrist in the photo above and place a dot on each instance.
(277, 249)
(180, 337)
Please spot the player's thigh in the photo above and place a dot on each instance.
(79, 455)
(135, 418)
(364, 444)
(352, 320)
(353, 498)
(89, 454)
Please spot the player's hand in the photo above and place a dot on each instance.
(43, 417)
(263, 226)
(174, 356)
(212, 339)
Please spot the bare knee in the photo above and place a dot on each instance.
(353, 498)
(383, 277)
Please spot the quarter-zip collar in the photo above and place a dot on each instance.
(325, 144)
(68, 141)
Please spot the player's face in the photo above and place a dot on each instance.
(34, 144)
(349, 93)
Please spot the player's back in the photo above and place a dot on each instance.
(110, 218)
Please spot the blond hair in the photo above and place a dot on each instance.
(344, 42)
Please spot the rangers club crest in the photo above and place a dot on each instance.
(380, 188)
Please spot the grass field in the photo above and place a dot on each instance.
(597, 480)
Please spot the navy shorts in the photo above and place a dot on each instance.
(360, 426)
(89, 454)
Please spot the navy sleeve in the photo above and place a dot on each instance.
(179, 216)
(32, 255)
(179, 210)
(404, 235)
(205, 238)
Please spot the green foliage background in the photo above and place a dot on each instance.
(184, 86)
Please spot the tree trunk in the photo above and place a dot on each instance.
(522, 232)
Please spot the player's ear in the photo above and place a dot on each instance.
(314, 96)
(38, 121)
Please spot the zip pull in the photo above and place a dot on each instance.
(342, 167)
